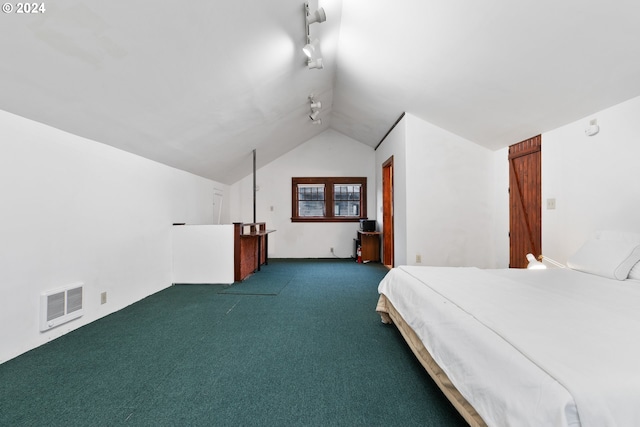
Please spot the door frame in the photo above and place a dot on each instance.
(388, 247)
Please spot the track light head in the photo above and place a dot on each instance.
(316, 63)
(318, 16)
(316, 122)
(314, 115)
(311, 48)
(316, 105)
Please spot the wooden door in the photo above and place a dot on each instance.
(387, 213)
(525, 201)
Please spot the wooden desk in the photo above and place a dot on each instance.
(369, 245)
(251, 248)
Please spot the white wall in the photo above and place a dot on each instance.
(450, 199)
(77, 210)
(328, 154)
(501, 208)
(444, 196)
(595, 180)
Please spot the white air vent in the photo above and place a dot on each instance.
(60, 306)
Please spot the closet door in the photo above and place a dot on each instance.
(525, 201)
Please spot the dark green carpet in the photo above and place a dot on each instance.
(265, 282)
(310, 351)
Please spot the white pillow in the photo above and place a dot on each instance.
(635, 272)
(608, 258)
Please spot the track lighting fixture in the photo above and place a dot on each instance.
(312, 47)
(318, 16)
(315, 63)
(315, 107)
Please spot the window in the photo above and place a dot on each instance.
(339, 199)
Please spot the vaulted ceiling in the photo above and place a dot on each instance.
(198, 85)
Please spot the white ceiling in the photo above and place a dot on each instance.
(198, 85)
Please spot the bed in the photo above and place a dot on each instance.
(554, 347)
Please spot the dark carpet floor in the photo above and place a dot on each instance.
(298, 343)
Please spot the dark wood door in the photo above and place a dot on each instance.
(387, 213)
(525, 201)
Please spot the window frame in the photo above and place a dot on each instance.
(329, 206)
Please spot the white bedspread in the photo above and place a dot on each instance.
(579, 330)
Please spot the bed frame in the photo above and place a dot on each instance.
(390, 315)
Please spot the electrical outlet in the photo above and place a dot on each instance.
(551, 204)
(418, 259)
(103, 298)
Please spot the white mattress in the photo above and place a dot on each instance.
(504, 337)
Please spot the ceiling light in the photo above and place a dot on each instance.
(593, 128)
(316, 105)
(315, 63)
(316, 122)
(318, 16)
(311, 48)
(314, 115)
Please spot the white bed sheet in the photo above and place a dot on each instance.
(507, 385)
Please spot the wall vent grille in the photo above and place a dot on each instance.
(60, 306)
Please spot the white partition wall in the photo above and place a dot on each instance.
(203, 254)
(444, 198)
